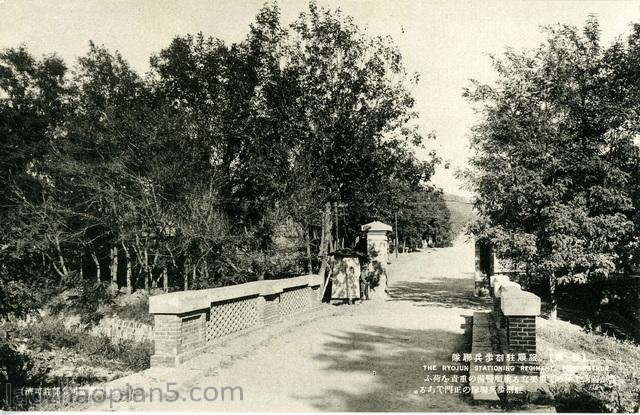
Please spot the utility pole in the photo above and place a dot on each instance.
(396, 244)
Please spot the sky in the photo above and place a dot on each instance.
(447, 42)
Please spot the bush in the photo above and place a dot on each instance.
(97, 346)
(577, 398)
(19, 370)
(88, 300)
(622, 391)
(45, 334)
(135, 356)
(137, 310)
(51, 333)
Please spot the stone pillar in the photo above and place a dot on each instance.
(378, 251)
(484, 264)
(500, 285)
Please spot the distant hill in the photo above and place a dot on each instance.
(461, 212)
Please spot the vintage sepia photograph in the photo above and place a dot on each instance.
(320, 206)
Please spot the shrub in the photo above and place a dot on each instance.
(133, 355)
(87, 300)
(137, 310)
(47, 333)
(136, 355)
(97, 346)
(622, 391)
(50, 333)
(20, 370)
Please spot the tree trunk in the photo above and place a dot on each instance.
(63, 271)
(154, 282)
(307, 241)
(206, 271)
(165, 279)
(335, 205)
(323, 236)
(326, 225)
(95, 261)
(186, 274)
(114, 266)
(129, 270)
(553, 313)
(203, 267)
(147, 271)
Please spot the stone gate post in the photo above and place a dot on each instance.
(378, 251)
(484, 264)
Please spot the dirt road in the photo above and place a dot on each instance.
(366, 357)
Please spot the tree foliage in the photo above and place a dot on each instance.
(211, 169)
(554, 163)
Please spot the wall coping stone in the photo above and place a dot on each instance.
(498, 278)
(519, 303)
(187, 301)
(376, 226)
(501, 287)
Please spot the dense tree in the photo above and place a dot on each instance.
(356, 112)
(214, 168)
(31, 110)
(552, 161)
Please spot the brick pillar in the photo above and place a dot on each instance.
(520, 309)
(521, 334)
(166, 337)
(177, 338)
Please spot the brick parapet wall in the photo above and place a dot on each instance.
(186, 323)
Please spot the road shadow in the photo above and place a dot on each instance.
(440, 292)
(385, 370)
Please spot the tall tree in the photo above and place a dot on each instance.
(32, 97)
(552, 181)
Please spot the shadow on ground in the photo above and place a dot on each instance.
(389, 363)
(441, 292)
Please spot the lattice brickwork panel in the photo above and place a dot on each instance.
(294, 301)
(232, 316)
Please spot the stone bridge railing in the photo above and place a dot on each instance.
(187, 323)
(515, 312)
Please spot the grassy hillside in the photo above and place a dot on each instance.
(560, 343)
(461, 212)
